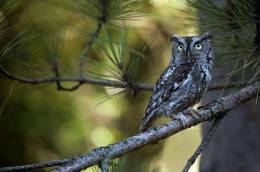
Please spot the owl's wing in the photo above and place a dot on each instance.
(169, 81)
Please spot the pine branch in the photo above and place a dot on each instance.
(93, 36)
(103, 82)
(206, 140)
(208, 112)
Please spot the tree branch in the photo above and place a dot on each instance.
(208, 112)
(136, 142)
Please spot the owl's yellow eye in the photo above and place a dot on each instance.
(180, 47)
(198, 46)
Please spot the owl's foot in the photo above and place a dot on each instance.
(182, 118)
(209, 106)
(194, 113)
(220, 101)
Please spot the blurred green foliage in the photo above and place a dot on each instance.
(40, 123)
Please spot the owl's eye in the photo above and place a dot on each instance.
(198, 46)
(180, 47)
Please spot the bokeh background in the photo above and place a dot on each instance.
(40, 123)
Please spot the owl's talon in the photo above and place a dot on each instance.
(219, 101)
(195, 113)
(183, 120)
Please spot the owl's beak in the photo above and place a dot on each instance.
(188, 54)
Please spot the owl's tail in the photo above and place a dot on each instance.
(147, 121)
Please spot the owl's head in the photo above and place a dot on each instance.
(191, 49)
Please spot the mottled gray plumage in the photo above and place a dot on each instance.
(185, 79)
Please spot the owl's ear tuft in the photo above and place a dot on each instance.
(174, 38)
(207, 35)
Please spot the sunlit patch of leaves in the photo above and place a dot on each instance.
(233, 27)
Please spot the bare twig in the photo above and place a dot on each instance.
(57, 75)
(203, 143)
(138, 141)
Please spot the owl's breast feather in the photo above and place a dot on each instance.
(206, 72)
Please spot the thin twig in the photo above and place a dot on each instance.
(57, 75)
(38, 165)
(92, 39)
(93, 36)
(203, 143)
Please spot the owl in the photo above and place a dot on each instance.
(184, 80)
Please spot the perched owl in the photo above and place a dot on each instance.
(184, 81)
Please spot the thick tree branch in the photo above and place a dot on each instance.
(136, 142)
(208, 112)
